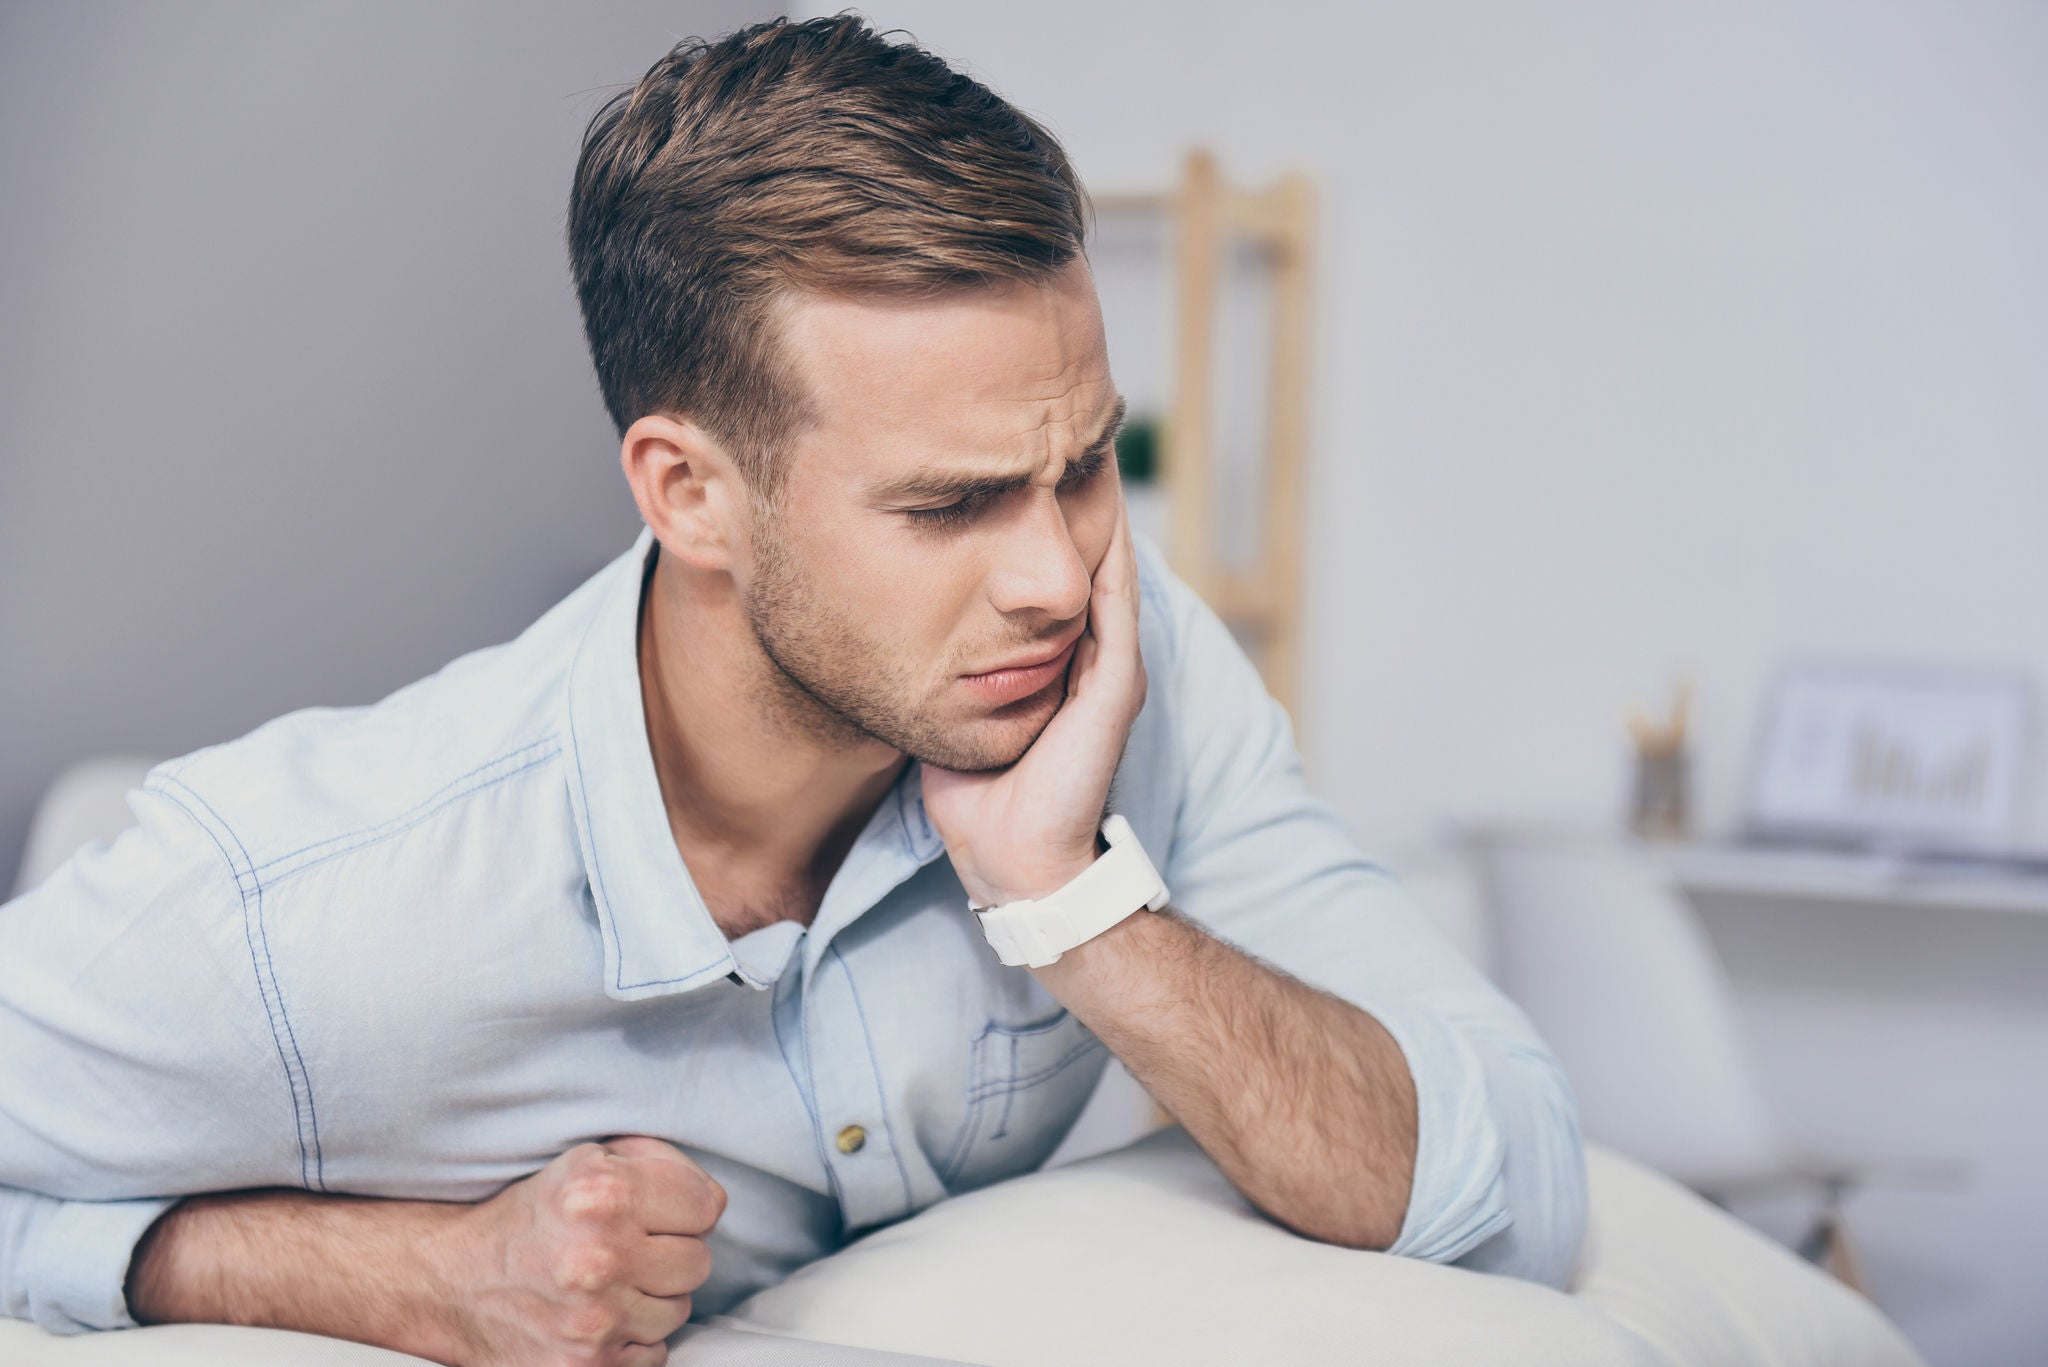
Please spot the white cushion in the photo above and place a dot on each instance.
(87, 802)
(1148, 1256)
(216, 1345)
(187, 1345)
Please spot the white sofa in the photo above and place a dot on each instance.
(1148, 1256)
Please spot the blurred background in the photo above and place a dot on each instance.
(1682, 359)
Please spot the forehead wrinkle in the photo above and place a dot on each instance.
(1059, 413)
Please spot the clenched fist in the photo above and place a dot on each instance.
(590, 1262)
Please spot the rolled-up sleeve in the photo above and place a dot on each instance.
(137, 1062)
(64, 1264)
(1258, 860)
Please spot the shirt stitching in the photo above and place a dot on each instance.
(803, 1093)
(318, 1179)
(1017, 1084)
(970, 1130)
(371, 835)
(304, 1115)
(949, 1171)
(868, 1039)
(427, 807)
(1009, 1096)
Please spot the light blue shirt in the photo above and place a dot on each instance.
(419, 948)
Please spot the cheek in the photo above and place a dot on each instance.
(915, 599)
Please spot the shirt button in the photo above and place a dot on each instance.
(851, 1138)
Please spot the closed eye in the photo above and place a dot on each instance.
(958, 511)
(1086, 468)
(976, 500)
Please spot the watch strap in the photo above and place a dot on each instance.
(1035, 932)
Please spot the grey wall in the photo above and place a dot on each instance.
(294, 404)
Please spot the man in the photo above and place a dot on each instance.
(630, 964)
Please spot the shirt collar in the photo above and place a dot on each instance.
(658, 934)
(898, 840)
(659, 937)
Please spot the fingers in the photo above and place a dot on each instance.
(1113, 613)
(650, 1319)
(1084, 661)
(670, 1193)
(594, 1259)
(1116, 580)
(669, 1265)
(1117, 569)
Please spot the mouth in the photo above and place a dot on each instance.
(1020, 679)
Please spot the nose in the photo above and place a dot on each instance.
(1038, 568)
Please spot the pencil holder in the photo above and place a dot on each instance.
(1658, 805)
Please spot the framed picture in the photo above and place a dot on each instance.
(1892, 756)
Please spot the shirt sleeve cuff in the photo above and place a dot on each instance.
(76, 1263)
(1458, 1198)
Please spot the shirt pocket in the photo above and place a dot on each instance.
(1026, 1085)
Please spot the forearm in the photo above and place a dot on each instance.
(344, 1267)
(1303, 1100)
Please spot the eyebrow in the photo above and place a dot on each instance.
(932, 482)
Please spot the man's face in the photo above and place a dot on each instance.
(926, 571)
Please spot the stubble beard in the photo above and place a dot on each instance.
(831, 684)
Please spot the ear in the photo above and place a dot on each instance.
(688, 490)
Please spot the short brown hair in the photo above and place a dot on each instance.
(816, 157)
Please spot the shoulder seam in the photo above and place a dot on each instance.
(276, 870)
(305, 1118)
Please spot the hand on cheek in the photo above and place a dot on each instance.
(1028, 830)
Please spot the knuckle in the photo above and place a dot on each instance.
(586, 1267)
(588, 1325)
(582, 1156)
(596, 1194)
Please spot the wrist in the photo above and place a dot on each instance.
(1026, 885)
(1099, 964)
(150, 1286)
(437, 1318)
(1108, 889)
(1041, 879)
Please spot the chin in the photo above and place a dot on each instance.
(994, 741)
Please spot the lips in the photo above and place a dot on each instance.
(1035, 660)
(1015, 682)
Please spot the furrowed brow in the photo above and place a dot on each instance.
(1111, 428)
(920, 485)
(927, 484)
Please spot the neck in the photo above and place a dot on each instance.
(762, 807)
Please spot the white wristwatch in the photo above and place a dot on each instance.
(1116, 885)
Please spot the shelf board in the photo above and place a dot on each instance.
(1810, 875)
